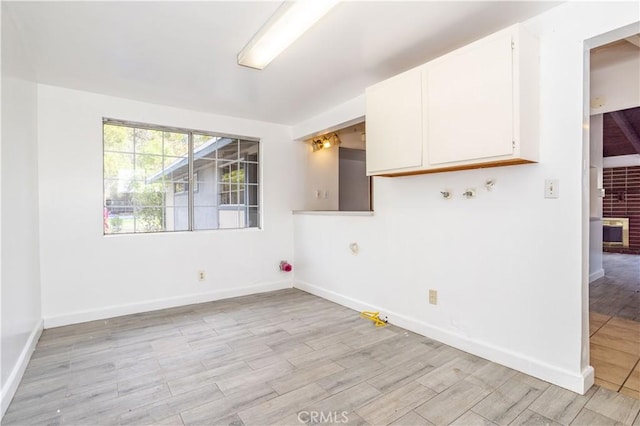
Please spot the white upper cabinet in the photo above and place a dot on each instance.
(468, 104)
(478, 106)
(394, 122)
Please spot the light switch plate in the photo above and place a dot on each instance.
(551, 188)
(433, 297)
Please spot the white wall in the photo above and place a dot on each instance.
(321, 179)
(336, 118)
(595, 194)
(86, 275)
(20, 288)
(510, 267)
(614, 78)
(352, 137)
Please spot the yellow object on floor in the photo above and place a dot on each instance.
(373, 316)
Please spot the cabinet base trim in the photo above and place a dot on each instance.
(462, 167)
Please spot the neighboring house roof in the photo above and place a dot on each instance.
(181, 165)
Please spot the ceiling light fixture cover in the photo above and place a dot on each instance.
(290, 21)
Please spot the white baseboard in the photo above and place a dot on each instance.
(589, 375)
(596, 275)
(575, 382)
(10, 387)
(156, 304)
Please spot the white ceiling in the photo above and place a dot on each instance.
(184, 53)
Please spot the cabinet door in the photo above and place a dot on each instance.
(394, 123)
(468, 109)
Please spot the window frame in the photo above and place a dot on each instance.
(192, 184)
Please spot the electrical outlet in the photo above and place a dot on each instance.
(202, 275)
(433, 297)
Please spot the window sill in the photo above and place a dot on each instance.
(332, 213)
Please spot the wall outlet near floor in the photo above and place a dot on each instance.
(202, 275)
(433, 297)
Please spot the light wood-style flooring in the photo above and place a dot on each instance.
(615, 353)
(288, 358)
(614, 322)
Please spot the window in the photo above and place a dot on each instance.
(182, 186)
(159, 179)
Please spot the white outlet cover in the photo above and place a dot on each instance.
(551, 188)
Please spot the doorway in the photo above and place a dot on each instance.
(614, 264)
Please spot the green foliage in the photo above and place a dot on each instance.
(149, 201)
(116, 224)
(235, 176)
(153, 150)
(133, 163)
(117, 138)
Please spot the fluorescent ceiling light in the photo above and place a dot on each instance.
(290, 21)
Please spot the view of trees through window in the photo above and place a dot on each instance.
(158, 179)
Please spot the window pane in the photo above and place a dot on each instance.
(148, 141)
(224, 195)
(205, 157)
(177, 219)
(230, 218)
(119, 224)
(149, 219)
(174, 175)
(249, 151)
(240, 196)
(205, 217)
(118, 138)
(180, 187)
(250, 172)
(176, 144)
(227, 150)
(200, 140)
(253, 217)
(205, 198)
(149, 168)
(118, 166)
(116, 190)
(252, 194)
(148, 195)
(235, 173)
(225, 174)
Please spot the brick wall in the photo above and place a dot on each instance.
(622, 199)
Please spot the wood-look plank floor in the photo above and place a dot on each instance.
(615, 353)
(614, 323)
(288, 358)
